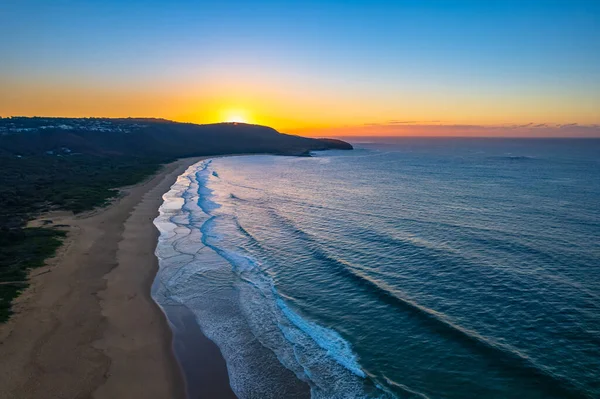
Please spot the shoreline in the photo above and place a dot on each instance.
(87, 326)
(194, 305)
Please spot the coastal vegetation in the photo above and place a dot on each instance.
(79, 164)
(32, 185)
(22, 249)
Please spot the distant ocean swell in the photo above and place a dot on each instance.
(189, 224)
(503, 354)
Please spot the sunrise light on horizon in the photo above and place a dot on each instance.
(383, 68)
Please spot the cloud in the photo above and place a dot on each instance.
(519, 126)
(401, 122)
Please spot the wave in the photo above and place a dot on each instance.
(205, 193)
(240, 263)
(513, 360)
(316, 354)
(509, 357)
(331, 342)
(409, 393)
(304, 338)
(326, 338)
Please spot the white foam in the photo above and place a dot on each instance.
(198, 269)
(336, 346)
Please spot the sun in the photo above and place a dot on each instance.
(235, 116)
(236, 119)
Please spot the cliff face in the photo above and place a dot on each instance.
(147, 137)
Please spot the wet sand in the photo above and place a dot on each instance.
(204, 368)
(87, 326)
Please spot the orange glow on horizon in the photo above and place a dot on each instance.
(298, 110)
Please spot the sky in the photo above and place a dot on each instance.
(351, 67)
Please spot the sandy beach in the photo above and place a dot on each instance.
(87, 326)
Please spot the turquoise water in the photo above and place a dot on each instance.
(438, 268)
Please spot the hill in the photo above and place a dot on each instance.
(147, 138)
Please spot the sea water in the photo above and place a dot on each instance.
(407, 268)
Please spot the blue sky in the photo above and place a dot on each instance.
(430, 51)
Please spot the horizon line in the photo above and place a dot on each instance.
(396, 128)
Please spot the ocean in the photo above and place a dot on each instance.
(406, 268)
